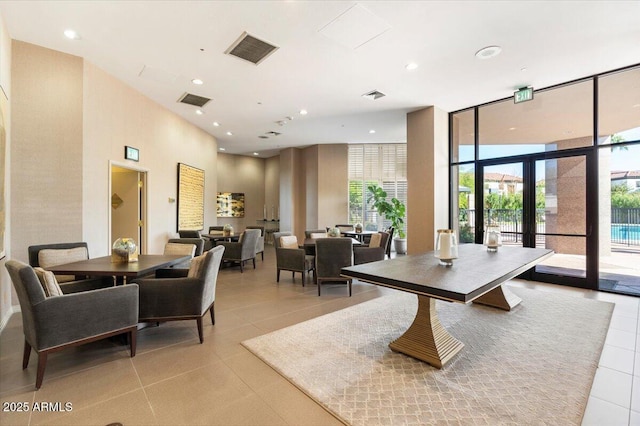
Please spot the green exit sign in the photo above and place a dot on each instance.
(523, 95)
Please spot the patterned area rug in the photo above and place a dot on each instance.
(533, 365)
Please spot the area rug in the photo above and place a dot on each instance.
(533, 365)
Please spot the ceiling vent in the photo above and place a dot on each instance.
(191, 99)
(250, 49)
(272, 133)
(373, 95)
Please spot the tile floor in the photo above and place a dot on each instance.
(175, 380)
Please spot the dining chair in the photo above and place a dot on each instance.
(374, 251)
(308, 232)
(188, 297)
(333, 254)
(289, 257)
(207, 244)
(47, 255)
(243, 250)
(345, 227)
(56, 322)
(260, 241)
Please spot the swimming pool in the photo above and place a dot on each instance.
(625, 233)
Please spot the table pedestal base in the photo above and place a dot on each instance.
(500, 297)
(426, 339)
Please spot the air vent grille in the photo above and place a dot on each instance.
(251, 49)
(191, 99)
(272, 133)
(373, 95)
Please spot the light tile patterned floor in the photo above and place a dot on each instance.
(175, 380)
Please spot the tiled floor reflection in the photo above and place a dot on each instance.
(175, 380)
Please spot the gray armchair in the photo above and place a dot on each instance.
(184, 298)
(207, 244)
(260, 242)
(47, 255)
(55, 323)
(333, 254)
(308, 232)
(292, 259)
(243, 250)
(371, 253)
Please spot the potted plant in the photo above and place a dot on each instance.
(393, 211)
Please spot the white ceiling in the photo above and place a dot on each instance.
(321, 71)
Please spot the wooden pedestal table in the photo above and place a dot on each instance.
(476, 276)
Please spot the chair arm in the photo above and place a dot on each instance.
(232, 250)
(367, 254)
(287, 258)
(170, 297)
(64, 319)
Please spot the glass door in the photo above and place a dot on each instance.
(539, 201)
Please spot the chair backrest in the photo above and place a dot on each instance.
(376, 240)
(345, 228)
(260, 240)
(189, 234)
(249, 241)
(198, 242)
(209, 273)
(333, 254)
(384, 239)
(316, 235)
(30, 293)
(276, 237)
(178, 249)
(388, 249)
(216, 229)
(261, 228)
(34, 252)
(308, 232)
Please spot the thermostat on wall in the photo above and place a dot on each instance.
(131, 153)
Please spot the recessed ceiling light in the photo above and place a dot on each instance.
(222, 149)
(71, 34)
(303, 112)
(512, 128)
(411, 66)
(199, 112)
(523, 69)
(197, 81)
(255, 153)
(372, 131)
(488, 52)
(229, 134)
(216, 124)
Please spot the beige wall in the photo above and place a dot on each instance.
(333, 183)
(272, 182)
(427, 177)
(311, 181)
(292, 192)
(5, 168)
(238, 173)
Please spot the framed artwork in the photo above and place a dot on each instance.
(190, 198)
(230, 204)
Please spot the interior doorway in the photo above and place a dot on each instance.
(128, 202)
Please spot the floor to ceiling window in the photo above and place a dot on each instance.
(381, 164)
(537, 170)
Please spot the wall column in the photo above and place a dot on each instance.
(427, 177)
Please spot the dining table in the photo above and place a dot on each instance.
(360, 236)
(122, 271)
(477, 275)
(220, 237)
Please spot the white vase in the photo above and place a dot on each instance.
(401, 245)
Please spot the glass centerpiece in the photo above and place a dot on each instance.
(446, 247)
(124, 250)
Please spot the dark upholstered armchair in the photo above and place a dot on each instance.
(207, 244)
(308, 232)
(333, 254)
(198, 242)
(47, 255)
(184, 298)
(291, 258)
(260, 241)
(243, 250)
(54, 323)
(374, 252)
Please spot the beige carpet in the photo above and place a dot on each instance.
(533, 365)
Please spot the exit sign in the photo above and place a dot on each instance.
(523, 95)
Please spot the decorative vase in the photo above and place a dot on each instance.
(334, 232)
(446, 247)
(358, 227)
(492, 238)
(124, 250)
(227, 230)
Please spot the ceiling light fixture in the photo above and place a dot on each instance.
(303, 112)
(255, 153)
(229, 134)
(216, 124)
(197, 81)
(199, 112)
(372, 131)
(71, 34)
(488, 52)
(411, 66)
(512, 128)
(221, 149)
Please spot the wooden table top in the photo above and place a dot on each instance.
(220, 237)
(102, 266)
(475, 272)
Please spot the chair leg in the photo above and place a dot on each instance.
(318, 282)
(42, 364)
(303, 277)
(199, 322)
(254, 263)
(213, 314)
(349, 284)
(133, 337)
(262, 254)
(27, 353)
(241, 266)
(278, 276)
